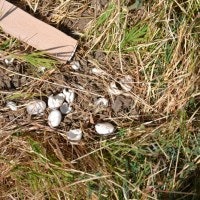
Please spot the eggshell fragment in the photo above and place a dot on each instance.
(74, 135)
(54, 118)
(9, 61)
(75, 65)
(113, 89)
(126, 83)
(56, 101)
(65, 108)
(12, 105)
(101, 102)
(104, 128)
(97, 71)
(36, 107)
(69, 95)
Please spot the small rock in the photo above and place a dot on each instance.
(101, 102)
(69, 95)
(74, 135)
(104, 128)
(65, 108)
(54, 118)
(75, 65)
(36, 107)
(56, 101)
(12, 105)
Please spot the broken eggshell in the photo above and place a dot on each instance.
(74, 135)
(104, 128)
(65, 108)
(75, 65)
(69, 95)
(56, 101)
(9, 61)
(101, 102)
(11, 105)
(54, 118)
(97, 71)
(36, 107)
(126, 83)
(113, 89)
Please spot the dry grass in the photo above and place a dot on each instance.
(155, 152)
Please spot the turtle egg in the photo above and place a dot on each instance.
(54, 118)
(56, 101)
(36, 107)
(104, 128)
(12, 105)
(65, 108)
(74, 135)
(69, 95)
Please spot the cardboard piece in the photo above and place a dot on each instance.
(36, 33)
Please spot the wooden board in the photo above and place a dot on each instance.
(36, 33)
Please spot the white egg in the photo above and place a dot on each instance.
(65, 108)
(54, 118)
(75, 65)
(36, 107)
(56, 101)
(12, 105)
(126, 83)
(104, 128)
(97, 71)
(69, 95)
(113, 89)
(74, 135)
(101, 102)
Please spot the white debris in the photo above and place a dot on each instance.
(101, 102)
(41, 69)
(36, 107)
(54, 118)
(69, 95)
(97, 71)
(9, 61)
(113, 89)
(65, 108)
(12, 105)
(104, 128)
(56, 101)
(74, 135)
(126, 83)
(75, 65)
